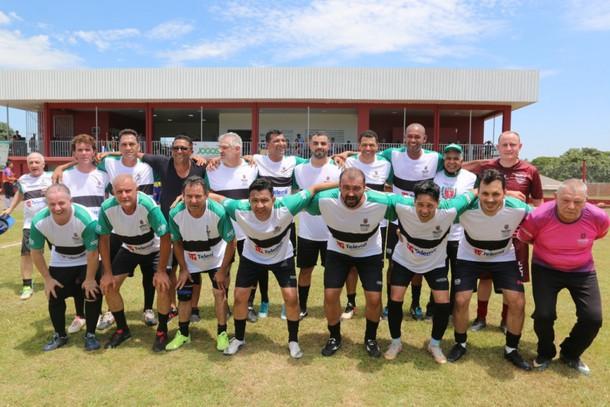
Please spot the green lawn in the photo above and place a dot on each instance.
(263, 373)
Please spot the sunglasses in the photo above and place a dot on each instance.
(180, 148)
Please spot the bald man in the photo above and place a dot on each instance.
(31, 190)
(562, 233)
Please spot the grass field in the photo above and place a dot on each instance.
(263, 374)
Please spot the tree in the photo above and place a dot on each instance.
(569, 165)
(6, 132)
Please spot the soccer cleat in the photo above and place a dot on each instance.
(540, 363)
(456, 353)
(517, 360)
(160, 342)
(77, 324)
(576, 364)
(437, 353)
(283, 313)
(149, 317)
(222, 341)
(332, 345)
(372, 348)
(118, 337)
(349, 311)
(178, 341)
(252, 315)
(173, 312)
(55, 342)
(234, 346)
(478, 324)
(295, 350)
(91, 342)
(416, 313)
(26, 292)
(263, 311)
(303, 315)
(384, 314)
(105, 321)
(393, 351)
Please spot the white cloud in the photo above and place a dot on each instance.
(417, 29)
(170, 30)
(104, 39)
(591, 15)
(4, 18)
(35, 52)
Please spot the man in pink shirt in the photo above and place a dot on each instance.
(563, 232)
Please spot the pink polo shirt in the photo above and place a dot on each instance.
(564, 246)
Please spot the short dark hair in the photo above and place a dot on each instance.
(261, 184)
(183, 137)
(367, 134)
(129, 132)
(427, 187)
(271, 133)
(491, 175)
(195, 180)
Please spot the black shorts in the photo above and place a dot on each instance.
(338, 266)
(9, 190)
(196, 277)
(249, 272)
(505, 275)
(71, 278)
(240, 249)
(126, 262)
(25, 242)
(452, 249)
(308, 250)
(391, 240)
(436, 278)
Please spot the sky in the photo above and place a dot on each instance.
(568, 42)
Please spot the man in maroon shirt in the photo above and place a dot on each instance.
(522, 182)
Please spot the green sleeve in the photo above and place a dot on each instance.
(314, 205)
(174, 230)
(157, 221)
(296, 202)
(460, 202)
(300, 160)
(102, 165)
(225, 228)
(387, 153)
(103, 224)
(230, 206)
(37, 239)
(90, 236)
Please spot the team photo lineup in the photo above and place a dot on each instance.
(462, 226)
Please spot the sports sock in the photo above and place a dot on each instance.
(121, 321)
(293, 331)
(371, 329)
(163, 318)
(240, 329)
(184, 328)
(303, 296)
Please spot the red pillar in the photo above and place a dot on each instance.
(506, 116)
(149, 127)
(47, 128)
(437, 127)
(364, 119)
(255, 129)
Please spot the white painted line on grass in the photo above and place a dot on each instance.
(6, 246)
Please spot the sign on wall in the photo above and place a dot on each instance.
(206, 148)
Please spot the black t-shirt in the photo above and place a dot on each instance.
(171, 183)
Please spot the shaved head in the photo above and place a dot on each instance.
(416, 127)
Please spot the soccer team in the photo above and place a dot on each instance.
(439, 217)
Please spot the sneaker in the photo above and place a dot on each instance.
(437, 353)
(178, 341)
(349, 311)
(503, 326)
(372, 348)
(77, 324)
(384, 314)
(195, 317)
(416, 313)
(91, 342)
(150, 318)
(332, 345)
(393, 351)
(252, 315)
(263, 311)
(429, 313)
(576, 364)
(26, 293)
(303, 315)
(540, 363)
(295, 350)
(160, 342)
(283, 314)
(234, 346)
(478, 324)
(105, 321)
(55, 342)
(456, 353)
(222, 341)
(118, 337)
(517, 360)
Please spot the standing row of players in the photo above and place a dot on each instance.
(352, 246)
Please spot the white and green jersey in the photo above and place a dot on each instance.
(354, 232)
(279, 173)
(142, 173)
(204, 239)
(489, 238)
(408, 172)
(268, 242)
(233, 183)
(423, 245)
(140, 231)
(33, 190)
(70, 242)
(305, 175)
(452, 185)
(87, 188)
